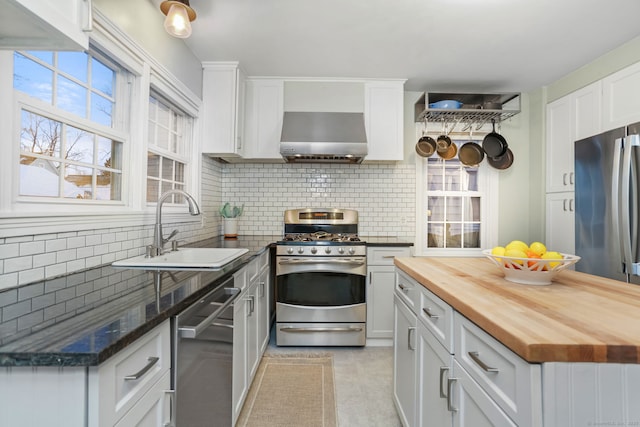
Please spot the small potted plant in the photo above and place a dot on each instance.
(230, 216)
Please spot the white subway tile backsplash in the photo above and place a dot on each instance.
(76, 242)
(56, 244)
(9, 250)
(17, 264)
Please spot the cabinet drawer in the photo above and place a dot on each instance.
(437, 316)
(126, 377)
(512, 383)
(408, 290)
(384, 256)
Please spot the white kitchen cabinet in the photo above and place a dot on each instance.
(404, 362)
(99, 396)
(384, 119)
(620, 98)
(45, 24)
(223, 87)
(263, 121)
(471, 406)
(381, 279)
(153, 409)
(435, 367)
(560, 219)
(250, 314)
(572, 117)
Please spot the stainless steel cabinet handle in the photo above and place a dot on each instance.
(564, 205)
(571, 178)
(476, 358)
(443, 369)
(388, 256)
(450, 406)
(564, 179)
(428, 313)
(152, 361)
(570, 205)
(409, 330)
(261, 285)
(171, 394)
(370, 278)
(311, 330)
(403, 288)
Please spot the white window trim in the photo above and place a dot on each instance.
(488, 182)
(133, 211)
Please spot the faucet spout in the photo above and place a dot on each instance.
(158, 240)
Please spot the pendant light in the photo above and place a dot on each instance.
(179, 17)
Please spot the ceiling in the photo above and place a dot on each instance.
(438, 45)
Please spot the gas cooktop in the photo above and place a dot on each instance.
(320, 236)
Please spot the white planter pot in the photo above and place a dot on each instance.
(230, 227)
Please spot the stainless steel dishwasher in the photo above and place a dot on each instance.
(203, 360)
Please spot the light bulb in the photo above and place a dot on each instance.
(177, 22)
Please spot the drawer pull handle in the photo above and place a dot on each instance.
(428, 313)
(403, 288)
(450, 406)
(152, 361)
(443, 369)
(476, 358)
(409, 330)
(388, 256)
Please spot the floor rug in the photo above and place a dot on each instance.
(291, 392)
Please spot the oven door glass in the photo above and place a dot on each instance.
(321, 289)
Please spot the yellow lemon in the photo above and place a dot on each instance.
(498, 251)
(538, 248)
(515, 253)
(552, 255)
(517, 244)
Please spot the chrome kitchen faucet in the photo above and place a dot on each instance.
(158, 241)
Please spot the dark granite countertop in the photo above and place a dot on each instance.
(84, 318)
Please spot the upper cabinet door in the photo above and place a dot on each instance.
(263, 121)
(621, 93)
(572, 117)
(384, 120)
(45, 24)
(223, 85)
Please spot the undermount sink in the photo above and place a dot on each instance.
(185, 259)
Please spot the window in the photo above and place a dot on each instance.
(168, 147)
(69, 148)
(453, 201)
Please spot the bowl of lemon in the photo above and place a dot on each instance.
(529, 264)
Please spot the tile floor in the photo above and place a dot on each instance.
(363, 381)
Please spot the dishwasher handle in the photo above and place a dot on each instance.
(194, 331)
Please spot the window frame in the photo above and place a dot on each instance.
(35, 217)
(488, 191)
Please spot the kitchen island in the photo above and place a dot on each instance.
(564, 354)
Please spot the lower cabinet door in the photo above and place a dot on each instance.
(153, 409)
(435, 365)
(404, 363)
(240, 383)
(471, 406)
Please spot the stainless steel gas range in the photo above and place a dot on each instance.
(321, 273)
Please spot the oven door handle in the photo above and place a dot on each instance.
(311, 330)
(194, 331)
(320, 261)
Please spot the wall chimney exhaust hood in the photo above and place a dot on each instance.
(325, 137)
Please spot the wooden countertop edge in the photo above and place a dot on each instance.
(533, 352)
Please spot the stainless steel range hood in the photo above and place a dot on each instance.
(325, 137)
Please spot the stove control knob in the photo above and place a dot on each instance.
(352, 251)
(314, 250)
(340, 250)
(289, 251)
(300, 250)
(327, 250)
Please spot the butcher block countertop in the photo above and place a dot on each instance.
(577, 318)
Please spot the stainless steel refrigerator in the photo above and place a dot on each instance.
(607, 183)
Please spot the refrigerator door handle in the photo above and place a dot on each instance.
(628, 238)
(615, 201)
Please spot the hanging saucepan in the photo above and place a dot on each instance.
(426, 146)
(471, 154)
(443, 142)
(502, 162)
(493, 143)
(449, 153)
